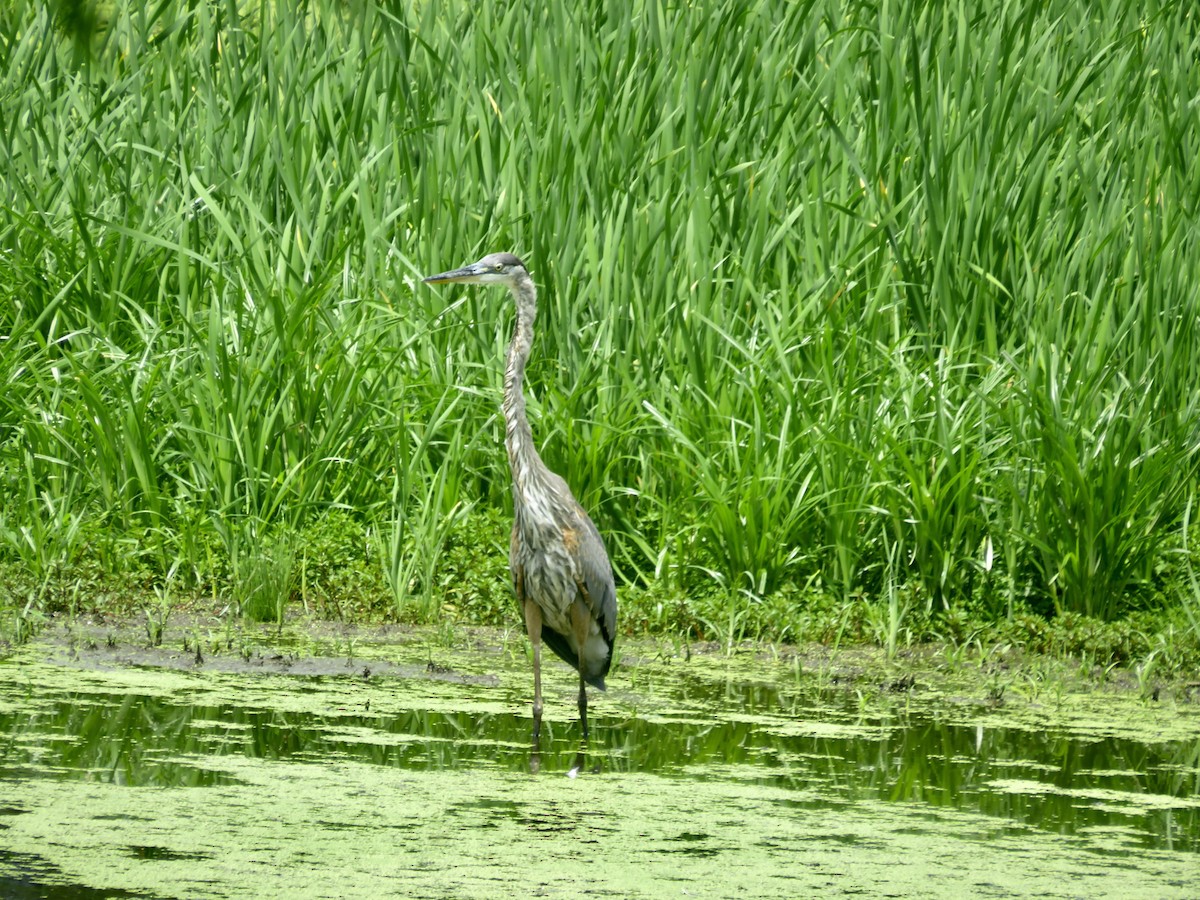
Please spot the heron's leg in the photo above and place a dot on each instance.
(583, 707)
(533, 624)
(581, 624)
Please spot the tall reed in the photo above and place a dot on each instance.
(856, 297)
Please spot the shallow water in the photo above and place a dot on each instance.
(409, 773)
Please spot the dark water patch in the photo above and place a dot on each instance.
(159, 854)
(694, 844)
(26, 876)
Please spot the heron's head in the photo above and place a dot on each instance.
(495, 268)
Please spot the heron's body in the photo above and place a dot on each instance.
(548, 565)
(560, 570)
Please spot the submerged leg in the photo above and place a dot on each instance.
(533, 624)
(583, 708)
(581, 624)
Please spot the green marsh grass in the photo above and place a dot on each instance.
(884, 301)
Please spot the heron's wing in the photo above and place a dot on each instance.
(596, 571)
(514, 566)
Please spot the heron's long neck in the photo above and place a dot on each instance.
(528, 470)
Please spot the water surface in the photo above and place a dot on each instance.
(407, 770)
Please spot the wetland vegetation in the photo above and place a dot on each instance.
(870, 323)
(872, 329)
(851, 323)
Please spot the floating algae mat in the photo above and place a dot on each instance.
(401, 768)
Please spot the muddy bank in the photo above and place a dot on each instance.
(1002, 677)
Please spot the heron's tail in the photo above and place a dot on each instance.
(594, 667)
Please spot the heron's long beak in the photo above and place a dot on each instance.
(465, 275)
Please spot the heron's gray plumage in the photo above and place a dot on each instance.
(557, 558)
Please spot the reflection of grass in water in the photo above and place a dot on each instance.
(462, 832)
(740, 720)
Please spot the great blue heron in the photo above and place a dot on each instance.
(560, 571)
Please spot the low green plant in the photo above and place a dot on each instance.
(879, 325)
(263, 573)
